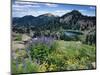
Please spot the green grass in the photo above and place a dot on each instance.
(18, 37)
(63, 55)
(76, 52)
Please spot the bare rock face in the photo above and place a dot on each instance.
(25, 37)
(78, 21)
(86, 25)
(66, 19)
(17, 45)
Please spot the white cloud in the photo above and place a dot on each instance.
(51, 5)
(92, 7)
(62, 11)
(28, 3)
(23, 6)
(17, 6)
(82, 11)
(17, 9)
(31, 6)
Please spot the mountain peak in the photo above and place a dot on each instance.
(72, 13)
(28, 16)
(76, 12)
(47, 15)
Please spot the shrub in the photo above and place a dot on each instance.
(18, 38)
(26, 67)
(40, 52)
(31, 67)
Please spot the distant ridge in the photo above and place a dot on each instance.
(72, 20)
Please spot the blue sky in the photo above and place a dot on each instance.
(21, 8)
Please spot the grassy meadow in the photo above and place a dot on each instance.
(54, 55)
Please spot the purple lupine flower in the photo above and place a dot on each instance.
(43, 40)
(16, 63)
(28, 53)
(24, 65)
